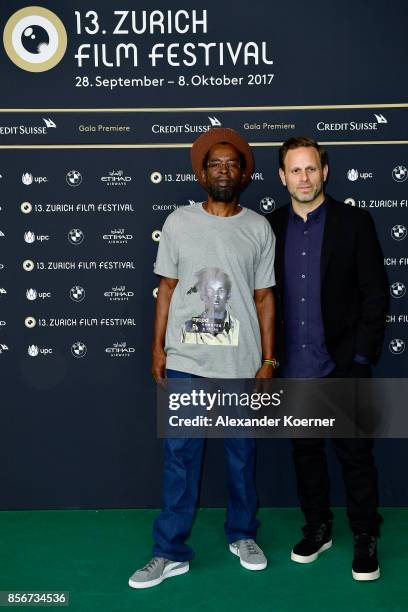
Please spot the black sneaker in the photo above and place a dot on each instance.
(317, 538)
(365, 562)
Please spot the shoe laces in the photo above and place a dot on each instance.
(250, 547)
(151, 565)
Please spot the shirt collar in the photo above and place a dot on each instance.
(313, 216)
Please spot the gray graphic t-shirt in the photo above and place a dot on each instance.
(213, 328)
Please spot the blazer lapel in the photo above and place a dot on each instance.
(329, 237)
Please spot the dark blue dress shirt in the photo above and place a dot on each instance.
(306, 354)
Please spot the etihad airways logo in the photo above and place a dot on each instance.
(119, 294)
(185, 128)
(117, 236)
(116, 178)
(120, 349)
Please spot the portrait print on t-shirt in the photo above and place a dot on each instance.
(215, 325)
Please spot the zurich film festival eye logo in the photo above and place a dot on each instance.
(35, 39)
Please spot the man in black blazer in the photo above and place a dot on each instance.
(331, 298)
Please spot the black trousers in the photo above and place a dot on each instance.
(358, 469)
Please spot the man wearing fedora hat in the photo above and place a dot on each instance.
(218, 255)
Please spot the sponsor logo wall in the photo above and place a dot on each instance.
(96, 155)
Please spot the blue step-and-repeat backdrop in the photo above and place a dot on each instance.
(99, 105)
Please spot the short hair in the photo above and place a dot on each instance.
(295, 142)
(242, 160)
(205, 275)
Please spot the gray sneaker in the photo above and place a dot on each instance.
(157, 570)
(250, 555)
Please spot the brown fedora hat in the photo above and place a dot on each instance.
(214, 136)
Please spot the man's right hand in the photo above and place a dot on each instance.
(159, 365)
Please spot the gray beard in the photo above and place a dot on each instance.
(225, 194)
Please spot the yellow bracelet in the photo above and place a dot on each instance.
(273, 362)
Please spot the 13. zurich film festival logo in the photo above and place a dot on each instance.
(35, 39)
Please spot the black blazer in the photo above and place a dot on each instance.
(354, 285)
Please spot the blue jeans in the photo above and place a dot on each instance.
(181, 476)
